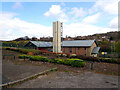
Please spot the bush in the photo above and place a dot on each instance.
(88, 58)
(44, 59)
(59, 61)
(22, 56)
(67, 62)
(75, 62)
(36, 58)
(110, 60)
(52, 60)
(71, 62)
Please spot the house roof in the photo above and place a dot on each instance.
(74, 43)
(78, 43)
(95, 50)
(42, 44)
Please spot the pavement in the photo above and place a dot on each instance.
(13, 71)
(58, 79)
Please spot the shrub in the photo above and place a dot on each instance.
(88, 58)
(73, 62)
(44, 59)
(37, 58)
(110, 60)
(22, 56)
(37, 52)
(59, 61)
(52, 60)
(79, 63)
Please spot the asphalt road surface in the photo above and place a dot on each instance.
(58, 79)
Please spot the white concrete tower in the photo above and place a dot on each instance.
(57, 33)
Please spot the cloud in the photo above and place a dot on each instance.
(17, 5)
(81, 29)
(109, 7)
(114, 23)
(55, 11)
(12, 28)
(77, 12)
(92, 19)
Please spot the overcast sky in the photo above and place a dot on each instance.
(19, 19)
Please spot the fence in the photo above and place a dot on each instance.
(8, 56)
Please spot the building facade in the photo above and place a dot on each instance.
(78, 47)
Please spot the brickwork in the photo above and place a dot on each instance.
(75, 50)
(91, 48)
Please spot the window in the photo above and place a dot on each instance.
(78, 48)
(85, 54)
(70, 50)
(85, 48)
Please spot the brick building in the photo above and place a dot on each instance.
(78, 47)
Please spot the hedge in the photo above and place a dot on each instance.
(24, 51)
(88, 58)
(71, 62)
(110, 60)
(99, 59)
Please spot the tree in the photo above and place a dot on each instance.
(105, 48)
(117, 46)
(34, 38)
(111, 38)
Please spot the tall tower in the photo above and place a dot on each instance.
(57, 33)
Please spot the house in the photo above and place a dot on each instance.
(78, 47)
